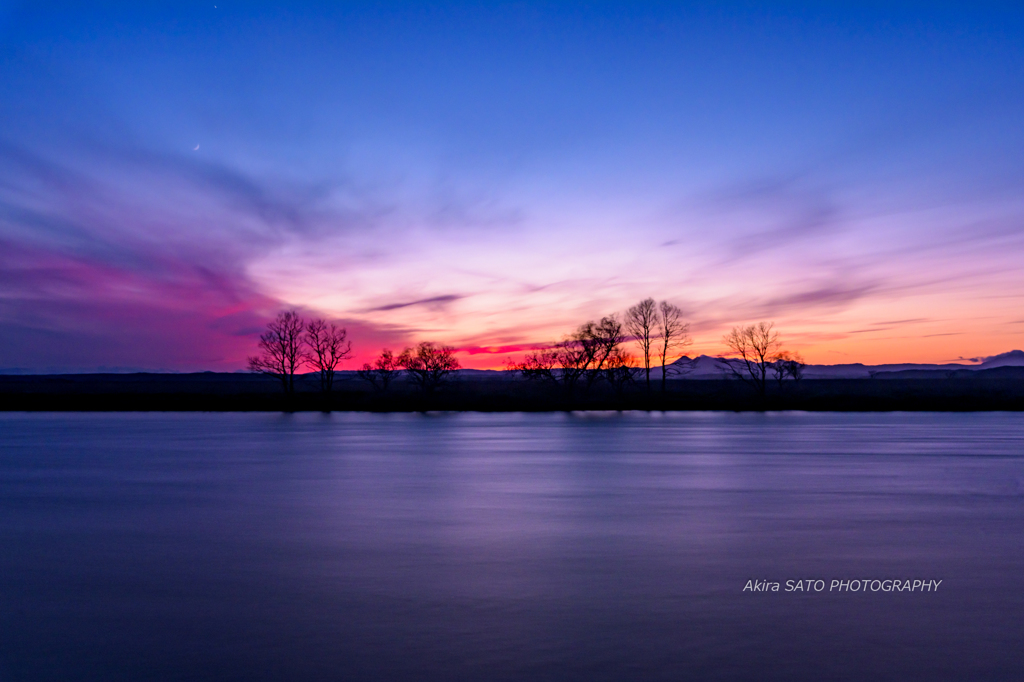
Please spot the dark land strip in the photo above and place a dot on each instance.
(996, 389)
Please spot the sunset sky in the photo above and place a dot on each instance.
(490, 175)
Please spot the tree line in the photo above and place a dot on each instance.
(291, 343)
(593, 352)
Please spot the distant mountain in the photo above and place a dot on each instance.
(707, 367)
(483, 374)
(1005, 372)
(701, 367)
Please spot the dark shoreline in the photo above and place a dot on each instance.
(209, 392)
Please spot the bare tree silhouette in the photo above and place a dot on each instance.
(640, 322)
(607, 336)
(429, 365)
(620, 370)
(280, 350)
(383, 370)
(579, 357)
(540, 364)
(326, 347)
(787, 365)
(673, 335)
(563, 364)
(757, 346)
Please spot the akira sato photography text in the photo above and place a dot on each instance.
(863, 585)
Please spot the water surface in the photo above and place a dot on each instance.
(508, 546)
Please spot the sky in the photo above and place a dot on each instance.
(490, 175)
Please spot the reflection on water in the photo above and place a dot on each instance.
(509, 546)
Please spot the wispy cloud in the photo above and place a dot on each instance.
(834, 295)
(768, 214)
(434, 302)
(502, 350)
(911, 320)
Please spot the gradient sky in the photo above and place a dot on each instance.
(491, 175)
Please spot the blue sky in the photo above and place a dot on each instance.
(490, 175)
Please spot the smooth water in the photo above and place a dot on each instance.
(509, 546)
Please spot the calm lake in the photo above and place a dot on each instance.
(509, 546)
